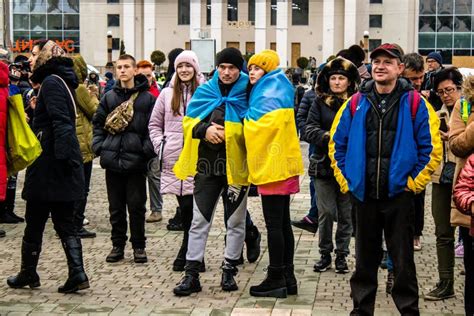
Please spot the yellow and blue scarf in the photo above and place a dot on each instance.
(205, 100)
(273, 148)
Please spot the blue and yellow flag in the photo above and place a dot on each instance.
(273, 148)
(205, 100)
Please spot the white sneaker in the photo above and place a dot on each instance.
(85, 222)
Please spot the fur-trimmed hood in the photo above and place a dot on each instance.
(340, 66)
(61, 66)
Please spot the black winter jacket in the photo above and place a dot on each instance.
(57, 174)
(303, 111)
(130, 150)
(320, 118)
(381, 131)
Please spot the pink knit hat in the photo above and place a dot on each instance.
(190, 57)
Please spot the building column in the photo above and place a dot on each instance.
(350, 20)
(216, 22)
(260, 25)
(149, 28)
(195, 19)
(328, 28)
(129, 26)
(282, 32)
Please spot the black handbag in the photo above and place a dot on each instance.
(447, 174)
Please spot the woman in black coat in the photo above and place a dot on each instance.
(337, 81)
(56, 179)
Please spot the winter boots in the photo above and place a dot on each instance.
(274, 284)
(190, 282)
(29, 261)
(77, 279)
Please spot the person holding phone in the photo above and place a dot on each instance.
(447, 85)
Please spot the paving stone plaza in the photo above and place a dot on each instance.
(146, 289)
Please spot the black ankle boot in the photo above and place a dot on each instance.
(229, 270)
(77, 279)
(29, 261)
(190, 282)
(274, 284)
(252, 241)
(290, 279)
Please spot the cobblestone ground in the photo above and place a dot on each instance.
(146, 289)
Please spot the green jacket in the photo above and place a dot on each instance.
(86, 107)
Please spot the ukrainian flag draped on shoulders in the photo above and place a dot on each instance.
(204, 101)
(273, 148)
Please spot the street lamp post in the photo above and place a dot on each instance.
(109, 50)
(366, 46)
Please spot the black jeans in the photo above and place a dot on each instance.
(127, 191)
(469, 268)
(281, 242)
(36, 216)
(80, 206)
(419, 205)
(396, 221)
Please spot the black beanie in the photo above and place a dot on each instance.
(230, 55)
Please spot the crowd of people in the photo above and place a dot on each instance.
(379, 133)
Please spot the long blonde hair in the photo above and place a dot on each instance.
(178, 92)
(468, 88)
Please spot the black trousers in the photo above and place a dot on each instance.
(396, 221)
(80, 206)
(281, 242)
(468, 243)
(127, 191)
(419, 205)
(37, 214)
(185, 203)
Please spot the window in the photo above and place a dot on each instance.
(375, 20)
(208, 12)
(427, 7)
(462, 7)
(273, 12)
(299, 9)
(184, 12)
(115, 43)
(113, 1)
(375, 1)
(232, 10)
(374, 43)
(252, 10)
(113, 19)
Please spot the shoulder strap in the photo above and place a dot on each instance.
(355, 102)
(414, 98)
(465, 110)
(70, 93)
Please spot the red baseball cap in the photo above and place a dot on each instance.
(387, 49)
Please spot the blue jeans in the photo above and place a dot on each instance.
(313, 211)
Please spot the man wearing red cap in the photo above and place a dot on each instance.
(384, 146)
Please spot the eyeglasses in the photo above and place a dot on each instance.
(446, 91)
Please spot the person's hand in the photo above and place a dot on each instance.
(215, 134)
(444, 135)
(425, 93)
(33, 102)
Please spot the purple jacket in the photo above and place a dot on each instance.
(164, 124)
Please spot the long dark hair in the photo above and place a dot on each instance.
(178, 92)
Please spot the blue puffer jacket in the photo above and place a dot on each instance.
(416, 152)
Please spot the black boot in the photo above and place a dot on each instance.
(252, 241)
(229, 270)
(290, 279)
(175, 223)
(444, 289)
(2, 233)
(29, 261)
(274, 284)
(77, 279)
(190, 282)
(10, 204)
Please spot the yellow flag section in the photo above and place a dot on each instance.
(273, 148)
(205, 100)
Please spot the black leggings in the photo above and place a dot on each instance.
(281, 242)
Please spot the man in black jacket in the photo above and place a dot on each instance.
(124, 156)
(211, 182)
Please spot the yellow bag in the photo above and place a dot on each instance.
(22, 145)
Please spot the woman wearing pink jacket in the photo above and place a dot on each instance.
(166, 133)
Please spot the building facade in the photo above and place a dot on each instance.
(294, 28)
